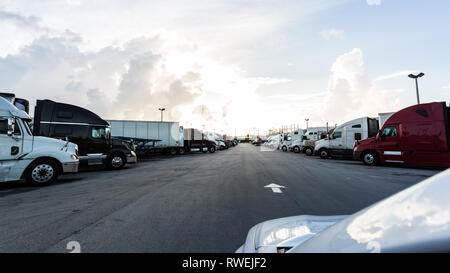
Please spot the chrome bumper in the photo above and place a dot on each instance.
(71, 167)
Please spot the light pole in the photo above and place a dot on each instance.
(306, 119)
(415, 77)
(162, 110)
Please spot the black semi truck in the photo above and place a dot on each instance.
(84, 128)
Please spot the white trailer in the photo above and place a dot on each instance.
(340, 143)
(150, 136)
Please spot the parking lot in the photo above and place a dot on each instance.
(190, 203)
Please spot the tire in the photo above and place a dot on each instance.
(181, 151)
(284, 148)
(172, 151)
(309, 151)
(42, 172)
(116, 161)
(324, 154)
(296, 149)
(370, 158)
(212, 149)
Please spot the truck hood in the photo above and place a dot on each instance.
(117, 142)
(285, 233)
(366, 141)
(50, 143)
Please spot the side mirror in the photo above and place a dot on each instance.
(11, 124)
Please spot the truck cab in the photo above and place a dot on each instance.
(83, 127)
(289, 138)
(340, 142)
(311, 134)
(196, 141)
(418, 135)
(39, 160)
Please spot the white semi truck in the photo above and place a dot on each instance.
(37, 159)
(311, 134)
(340, 143)
(287, 140)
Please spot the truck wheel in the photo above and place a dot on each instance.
(296, 149)
(116, 161)
(284, 148)
(42, 172)
(212, 149)
(181, 151)
(173, 151)
(308, 151)
(370, 158)
(324, 154)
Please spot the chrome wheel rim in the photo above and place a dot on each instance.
(117, 161)
(42, 173)
(324, 154)
(369, 158)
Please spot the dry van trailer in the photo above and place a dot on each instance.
(150, 136)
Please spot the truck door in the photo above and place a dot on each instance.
(98, 140)
(10, 148)
(388, 145)
(336, 143)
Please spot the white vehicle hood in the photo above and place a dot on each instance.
(52, 143)
(269, 236)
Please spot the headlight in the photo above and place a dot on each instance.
(133, 153)
(74, 157)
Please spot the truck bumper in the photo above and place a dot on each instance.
(131, 159)
(356, 155)
(71, 167)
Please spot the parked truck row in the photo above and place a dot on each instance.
(61, 137)
(418, 135)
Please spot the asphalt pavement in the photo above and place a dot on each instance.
(190, 203)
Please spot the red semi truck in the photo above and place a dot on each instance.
(418, 135)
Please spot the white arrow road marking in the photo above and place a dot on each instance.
(275, 188)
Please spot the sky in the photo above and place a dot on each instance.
(227, 66)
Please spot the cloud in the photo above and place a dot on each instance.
(117, 83)
(268, 80)
(328, 34)
(374, 2)
(352, 93)
(394, 75)
(19, 20)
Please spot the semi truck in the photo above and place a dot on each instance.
(312, 134)
(418, 135)
(40, 160)
(150, 136)
(196, 141)
(341, 142)
(84, 128)
(287, 140)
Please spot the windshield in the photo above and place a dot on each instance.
(27, 127)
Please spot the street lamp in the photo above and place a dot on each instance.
(415, 77)
(306, 119)
(161, 109)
